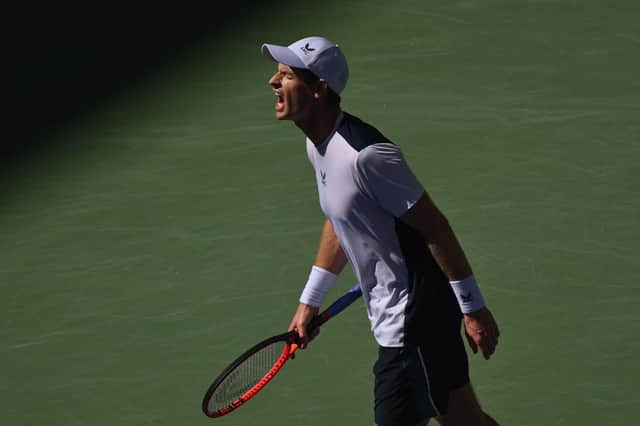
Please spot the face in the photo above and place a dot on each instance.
(294, 98)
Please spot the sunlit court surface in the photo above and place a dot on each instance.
(150, 239)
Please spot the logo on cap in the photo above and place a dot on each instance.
(306, 49)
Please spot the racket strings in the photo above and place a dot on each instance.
(246, 376)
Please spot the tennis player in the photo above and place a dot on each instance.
(417, 284)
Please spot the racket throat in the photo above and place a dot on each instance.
(292, 350)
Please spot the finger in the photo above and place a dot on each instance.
(485, 354)
(495, 333)
(485, 349)
(314, 333)
(302, 335)
(493, 326)
(488, 352)
(472, 343)
(488, 347)
(478, 338)
(491, 329)
(491, 333)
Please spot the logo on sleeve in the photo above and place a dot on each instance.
(323, 177)
(306, 49)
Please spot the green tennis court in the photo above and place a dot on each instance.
(175, 227)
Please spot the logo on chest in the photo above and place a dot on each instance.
(323, 177)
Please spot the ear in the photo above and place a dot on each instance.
(321, 89)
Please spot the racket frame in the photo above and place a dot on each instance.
(291, 341)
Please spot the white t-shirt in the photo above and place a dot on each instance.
(364, 186)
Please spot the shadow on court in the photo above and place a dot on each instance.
(66, 64)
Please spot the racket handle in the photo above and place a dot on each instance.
(338, 306)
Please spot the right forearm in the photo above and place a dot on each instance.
(331, 260)
(330, 254)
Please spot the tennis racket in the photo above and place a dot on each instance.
(251, 371)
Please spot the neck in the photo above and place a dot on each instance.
(318, 125)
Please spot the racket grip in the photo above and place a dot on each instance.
(338, 306)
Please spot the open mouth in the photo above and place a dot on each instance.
(279, 101)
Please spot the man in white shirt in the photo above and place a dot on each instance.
(416, 281)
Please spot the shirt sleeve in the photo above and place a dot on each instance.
(383, 175)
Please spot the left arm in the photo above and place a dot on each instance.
(481, 328)
(384, 175)
(425, 217)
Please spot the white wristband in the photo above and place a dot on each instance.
(318, 285)
(468, 294)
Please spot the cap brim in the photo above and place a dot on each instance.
(283, 55)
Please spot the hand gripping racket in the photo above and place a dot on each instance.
(251, 371)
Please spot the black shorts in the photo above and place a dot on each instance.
(413, 383)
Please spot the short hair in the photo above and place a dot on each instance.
(310, 78)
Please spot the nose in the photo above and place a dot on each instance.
(274, 81)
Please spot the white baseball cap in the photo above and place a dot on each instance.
(316, 54)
